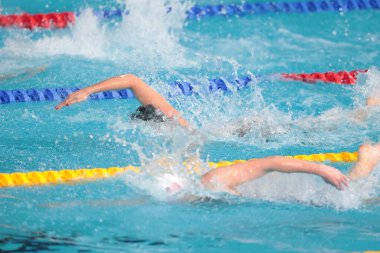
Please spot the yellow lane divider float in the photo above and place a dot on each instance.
(69, 176)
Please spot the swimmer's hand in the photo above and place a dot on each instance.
(75, 97)
(335, 178)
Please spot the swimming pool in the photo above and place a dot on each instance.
(288, 213)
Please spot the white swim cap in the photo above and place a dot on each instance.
(172, 184)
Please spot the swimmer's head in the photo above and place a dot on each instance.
(170, 183)
(148, 113)
(243, 129)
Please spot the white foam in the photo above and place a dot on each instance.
(368, 84)
(163, 178)
(86, 39)
(148, 36)
(149, 33)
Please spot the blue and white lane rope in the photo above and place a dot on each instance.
(228, 10)
(52, 94)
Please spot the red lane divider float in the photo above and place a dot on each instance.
(342, 77)
(32, 21)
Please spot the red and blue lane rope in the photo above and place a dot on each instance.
(179, 87)
(64, 19)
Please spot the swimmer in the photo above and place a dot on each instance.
(25, 73)
(228, 178)
(268, 128)
(156, 108)
(6, 197)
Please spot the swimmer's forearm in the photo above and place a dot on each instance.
(127, 81)
(292, 165)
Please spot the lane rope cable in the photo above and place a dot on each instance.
(70, 176)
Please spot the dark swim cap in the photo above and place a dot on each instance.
(148, 113)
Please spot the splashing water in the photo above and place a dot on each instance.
(86, 39)
(265, 121)
(152, 32)
(312, 190)
(147, 36)
(368, 84)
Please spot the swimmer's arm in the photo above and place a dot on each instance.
(143, 92)
(229, 177)
(29, 72)
(361, 114)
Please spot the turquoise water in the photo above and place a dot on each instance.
(279, 213)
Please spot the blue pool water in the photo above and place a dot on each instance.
(278, 213)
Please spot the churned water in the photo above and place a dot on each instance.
(278, 213)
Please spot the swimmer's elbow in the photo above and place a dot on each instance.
(128, 76)
(129, 79)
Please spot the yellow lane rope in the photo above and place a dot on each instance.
(67, 176)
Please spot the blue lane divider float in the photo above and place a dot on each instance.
(198, 11)
(53, 94)
(109, 13)
(282, 7)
